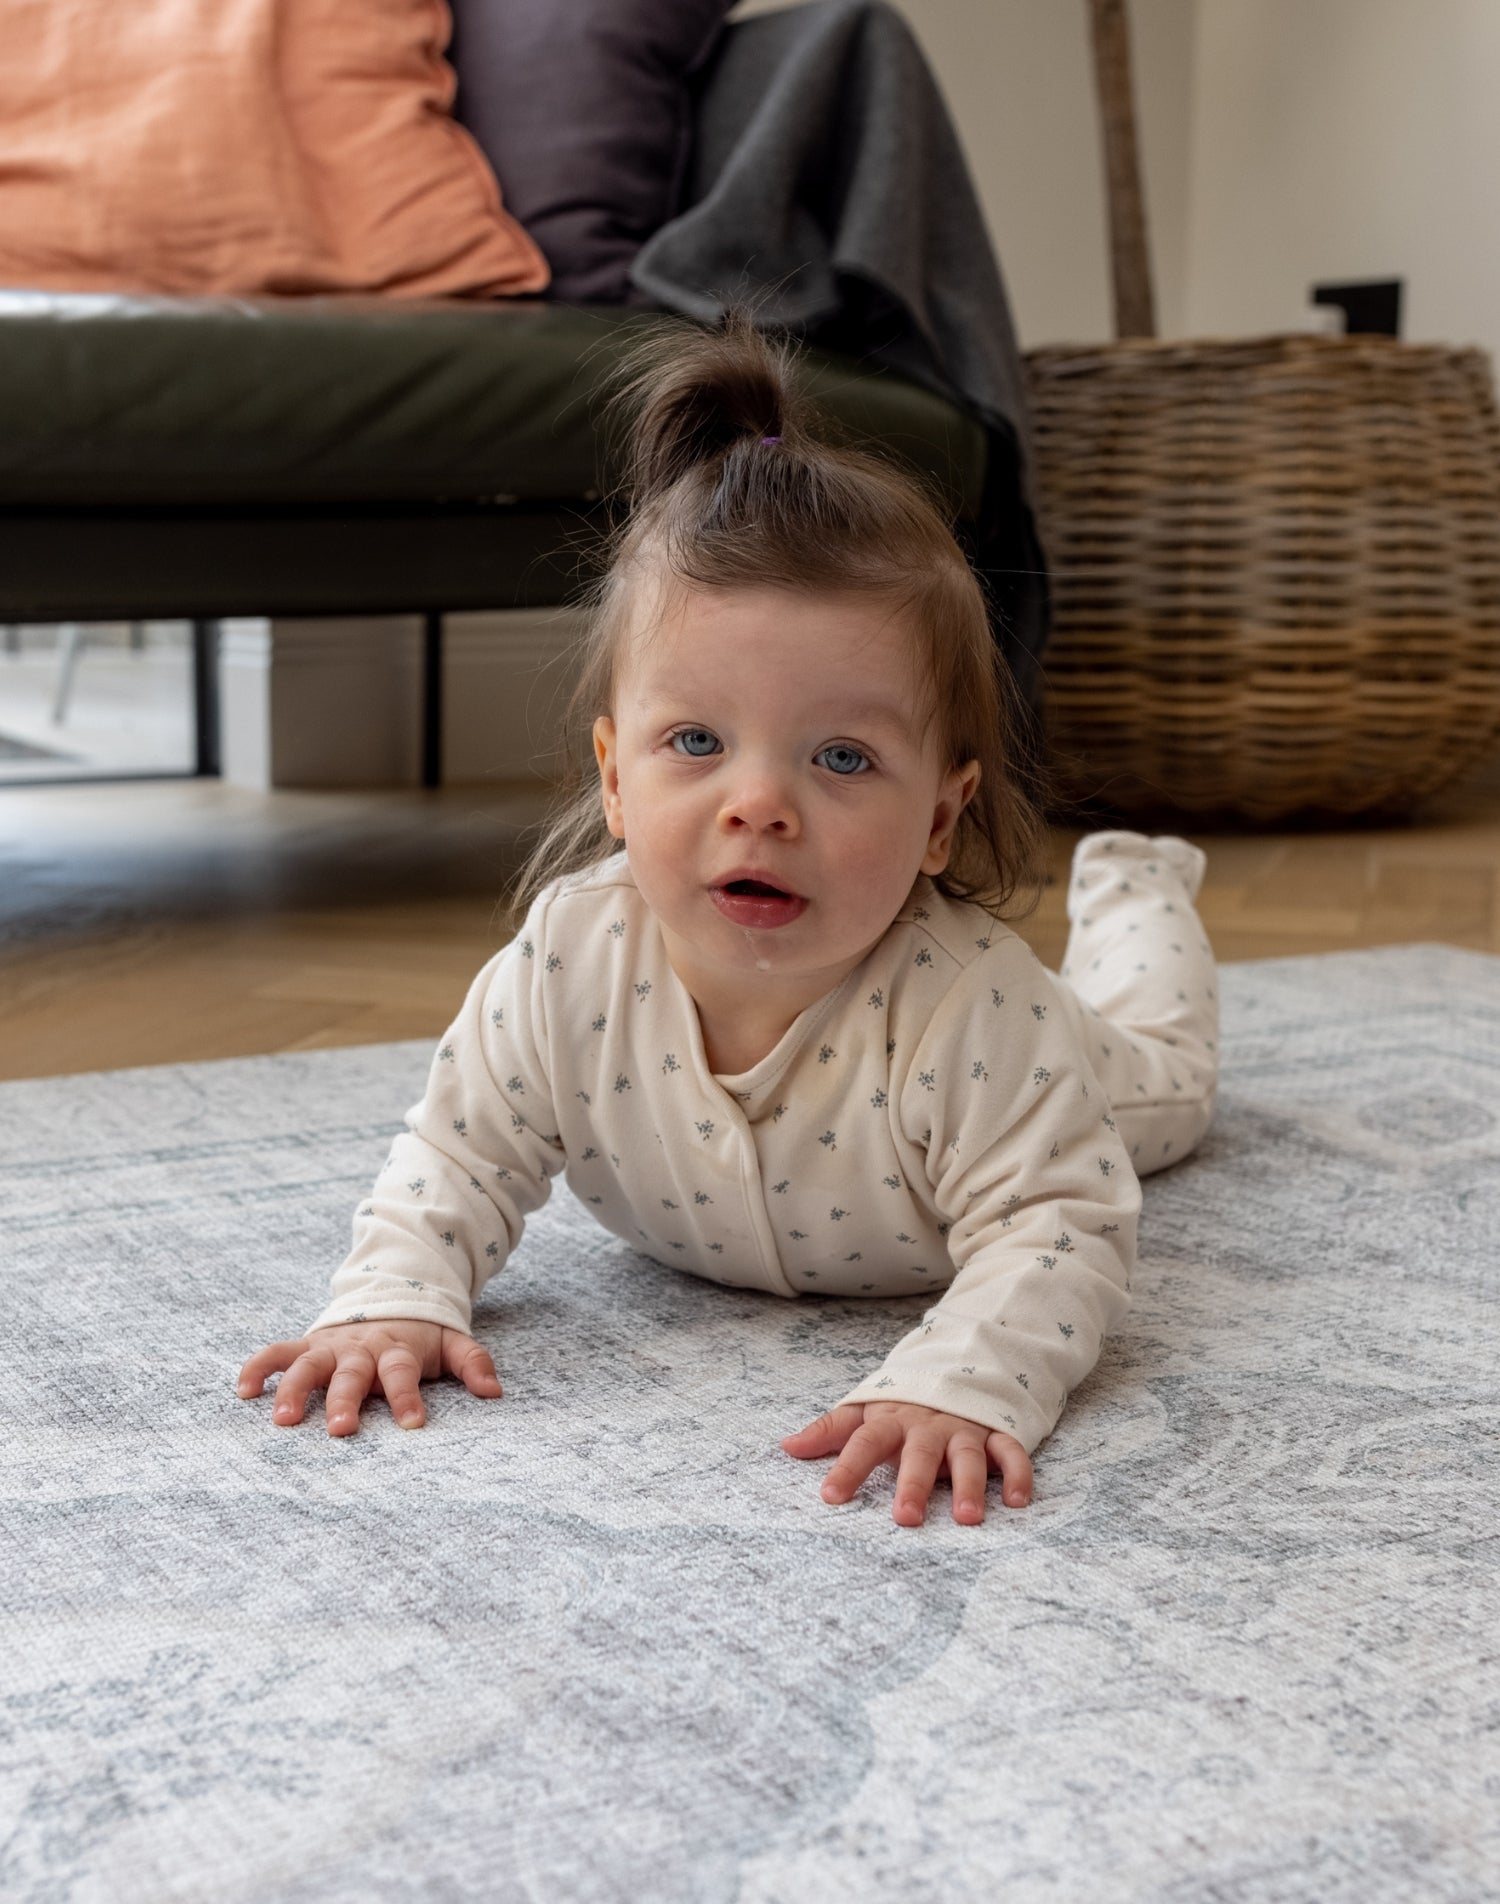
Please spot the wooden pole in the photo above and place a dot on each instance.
(1130, 259)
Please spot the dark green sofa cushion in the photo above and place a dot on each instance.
(113, 402)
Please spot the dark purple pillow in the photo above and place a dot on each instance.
(581, 107)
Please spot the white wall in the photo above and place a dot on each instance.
(1337, 139)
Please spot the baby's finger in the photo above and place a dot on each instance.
(270, 1360)
(399, 1376)
(310, 1370)
(920, 1460)
(827, 1434)
(1015, 1468)
(872, 1443)
(347, 1389)
(971, 1474)
(471, 1363)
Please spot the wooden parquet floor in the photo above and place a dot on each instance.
(169, 921)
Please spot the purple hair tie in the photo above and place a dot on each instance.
(770, 439)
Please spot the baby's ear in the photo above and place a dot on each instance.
(957, 790)
(609, 775)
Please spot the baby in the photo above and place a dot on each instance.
(782, 1039)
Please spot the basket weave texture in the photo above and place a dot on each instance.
(1276, 572)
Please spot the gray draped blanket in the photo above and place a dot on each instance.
(828, 188)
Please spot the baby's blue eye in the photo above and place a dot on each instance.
(695, 741)
(843, 760)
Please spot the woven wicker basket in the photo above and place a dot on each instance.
(1276, 572)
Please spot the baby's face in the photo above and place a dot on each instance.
(767, 769)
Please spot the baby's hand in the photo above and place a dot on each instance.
(350, 1359)
(929, 1443)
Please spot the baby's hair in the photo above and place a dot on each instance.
(734, 481)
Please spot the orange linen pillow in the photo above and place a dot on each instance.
(199, 146)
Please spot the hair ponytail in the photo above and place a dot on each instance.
(692, 397)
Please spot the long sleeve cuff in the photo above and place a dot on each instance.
(370, 1296)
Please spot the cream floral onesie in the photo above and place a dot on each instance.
(953, 1118)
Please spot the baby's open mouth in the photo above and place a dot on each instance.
(757, 889)
(757, 903)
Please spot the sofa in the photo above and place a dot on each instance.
(207, 457)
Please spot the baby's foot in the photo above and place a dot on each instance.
(1190, 861)
(1097, 852)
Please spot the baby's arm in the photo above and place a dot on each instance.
(1043, 1277)
(477, 1156)
(1023, 1159)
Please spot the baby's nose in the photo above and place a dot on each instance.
(761, 805)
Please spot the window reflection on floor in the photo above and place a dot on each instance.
(87, 700)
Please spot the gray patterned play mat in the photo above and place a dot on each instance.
(601, 1640)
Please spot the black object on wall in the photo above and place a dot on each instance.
(1373, 308)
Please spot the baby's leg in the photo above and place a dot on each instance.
(1139, 985)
